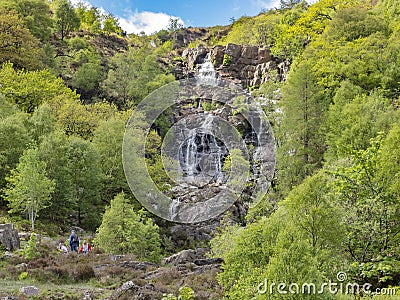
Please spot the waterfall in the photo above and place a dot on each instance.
(206, 73)
(201, 155)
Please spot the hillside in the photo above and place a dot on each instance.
(311, 94)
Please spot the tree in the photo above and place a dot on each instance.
(125, 231)
(76, 118)
(108, 139)
(87, 79)
(84, 171)
(41, 122)
(90, 18)
(174, 24)
(66, 18)
(288, 4)
(111, 25)
(29, 189)
(14, 139)
(53, 150)
(36, 14)
(288, 246)
(29, 89)
(363, 192)
(302, 138)
(17, 45)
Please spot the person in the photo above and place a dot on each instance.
(85, 248)
(63, 248)
(74, 241)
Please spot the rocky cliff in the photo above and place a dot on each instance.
(242, 64)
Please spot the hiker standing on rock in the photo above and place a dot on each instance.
(74, 241)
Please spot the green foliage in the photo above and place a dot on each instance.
(53, 150)
(29, 189)
(381, 272)
(66, 19)
(125, 231)
(303, 232)
(17, 45)
(23, 276)
(111, 25)
(41, 122)
(75, 118)
(36, 14)
(108, 139)
(87, 78)
(29, 89)
(174, 24)
(370, 209)
(185, 293)
(133, 75)
(288, 4)
(90, 18)
(14, 139)
(30, 251)
(227, 60)
(302, 140)
(84, 168)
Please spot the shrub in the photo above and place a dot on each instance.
(30, 250)
(82, 272)
(125, 231)
(23, 276)
(227, 60)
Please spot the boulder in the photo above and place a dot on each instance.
(250, 52)
(9, 237)
(217, 55)
(195, 56)
(233, 50)
(185, 256)
(29, 291)
(264, 55)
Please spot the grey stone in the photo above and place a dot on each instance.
(9, 237)
(29, 291)
(233, 50)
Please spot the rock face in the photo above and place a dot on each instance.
(184, 36)
(9, 237)
(243, 64)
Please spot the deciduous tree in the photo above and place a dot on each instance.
(29, 189)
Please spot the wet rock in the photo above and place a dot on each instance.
(195, 56)
(9, 237)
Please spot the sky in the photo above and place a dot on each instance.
(153, 15)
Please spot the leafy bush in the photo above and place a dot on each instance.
(227, 60)
(30, 251)
(23, 276)
(125, 231)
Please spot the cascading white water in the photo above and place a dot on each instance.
(201, 155)
(206, 74)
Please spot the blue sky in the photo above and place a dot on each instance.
(153, 15)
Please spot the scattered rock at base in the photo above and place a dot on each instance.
(9, 237)
(184, 256)
(29, 291)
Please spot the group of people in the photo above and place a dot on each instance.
(74, 245)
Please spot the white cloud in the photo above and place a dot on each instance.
(146, 21)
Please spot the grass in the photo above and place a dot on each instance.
(51, 290)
